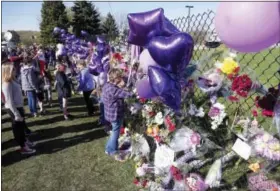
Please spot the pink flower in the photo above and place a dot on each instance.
(195, 139)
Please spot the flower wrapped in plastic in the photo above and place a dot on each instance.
(210, 82)
(185, 139)
(214, 174)
(195, 182)
(217, 114)
(244, 84)
(267, 103)
(139, 147)
(265, 145)
(260, 181)
(229, 66)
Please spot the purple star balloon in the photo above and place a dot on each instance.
(143, 26)
(172, 53)
(165, 86)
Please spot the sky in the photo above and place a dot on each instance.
(26, 15)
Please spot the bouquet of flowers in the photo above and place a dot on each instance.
(259, 181)
(217, 114)
(267, 146)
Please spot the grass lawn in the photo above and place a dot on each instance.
(70, 156)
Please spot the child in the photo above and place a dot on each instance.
(63, 90)
(29, 80)
(86, 85)
(113, 98)
(47, 86)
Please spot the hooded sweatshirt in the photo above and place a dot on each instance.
(29, 79)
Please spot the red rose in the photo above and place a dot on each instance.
(136, 181)
(236, 70)
(176, 173)
(151, 114)
(122, 131)
(233, 98)
(267, 113)
(157, 138)
(144, 183)
(172, 128)
(142, 100)
(255, 113)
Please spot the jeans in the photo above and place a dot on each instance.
(112, 144)
(88, 101)
(102, 117)
(19, 127)
(32, 101)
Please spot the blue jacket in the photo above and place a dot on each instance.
(85, 80)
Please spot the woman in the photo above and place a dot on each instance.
(86, 85)
(63, 89)
(14, 105)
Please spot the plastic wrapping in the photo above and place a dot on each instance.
(185, 139)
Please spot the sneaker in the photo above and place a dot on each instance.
(68, 117)
(29, 143)
(27, 150)
(35, 115)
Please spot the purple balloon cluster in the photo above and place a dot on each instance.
(100, 61)
(72, 44)
(168, 47)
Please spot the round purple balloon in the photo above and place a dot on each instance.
(144, 89)
(56, 30)
(254, 27)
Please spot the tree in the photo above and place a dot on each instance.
(85, 17)
(53, 14)
(109, 27)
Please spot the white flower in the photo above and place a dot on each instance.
(192, 109)
(200, 112)
(218, 64)
(233, 55)
(159, 118)
(148, 108)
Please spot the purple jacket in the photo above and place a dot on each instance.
(113, 99)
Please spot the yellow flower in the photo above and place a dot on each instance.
(228, 66)
(274, 147)
(255, 167)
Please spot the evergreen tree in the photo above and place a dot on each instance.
(109, 27)
(53, 14)
(85, 17)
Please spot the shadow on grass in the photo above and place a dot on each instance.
(54, 146)
(52, 133)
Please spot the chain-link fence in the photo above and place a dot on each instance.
(265, 64)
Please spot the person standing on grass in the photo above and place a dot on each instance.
(86, 85)
(63, 89)
(113, 98)
(48, 86)
(14, 105)
(30, 82)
